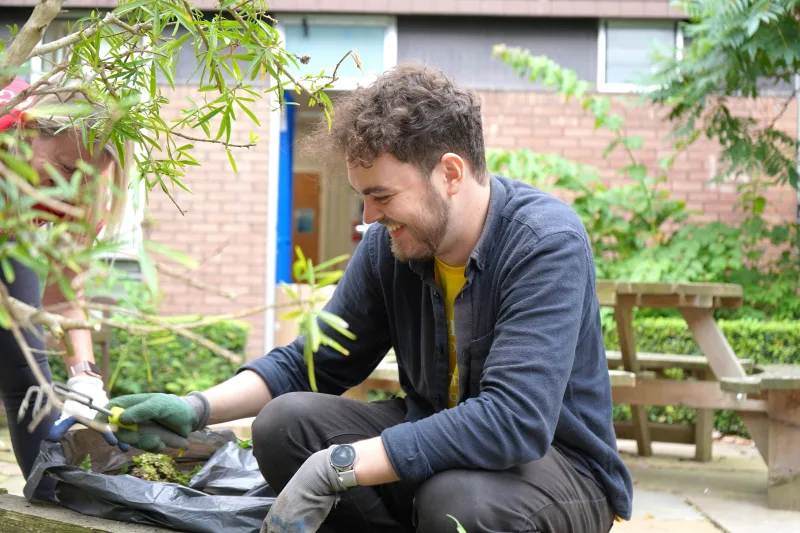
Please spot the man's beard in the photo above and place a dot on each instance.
(422, 238)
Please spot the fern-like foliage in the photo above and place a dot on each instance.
(744, 48)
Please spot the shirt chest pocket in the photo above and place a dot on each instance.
(478, 352)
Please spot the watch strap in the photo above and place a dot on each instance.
(85, 366)
(348, 478)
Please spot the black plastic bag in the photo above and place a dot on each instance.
(231, 470)
(106, 494)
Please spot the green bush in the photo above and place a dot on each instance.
(763, 342)
(169, 363)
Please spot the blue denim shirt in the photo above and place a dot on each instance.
(532, 365)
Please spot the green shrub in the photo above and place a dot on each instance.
(763, 342)
(169, 363)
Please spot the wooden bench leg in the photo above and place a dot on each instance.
(359, 392)
(704, 430)
(623, 313)
(783, 459)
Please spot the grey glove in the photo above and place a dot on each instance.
(304, 503)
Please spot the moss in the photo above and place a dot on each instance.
(160, 467)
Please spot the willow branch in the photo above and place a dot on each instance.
(169, 271)
(235, 14)
(203, 37)
(30, 34)
(55, 323)
(82, 34)
(28, 91)
(198, 139)
(216, 318)
(180, 330)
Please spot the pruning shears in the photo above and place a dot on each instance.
(167, 436)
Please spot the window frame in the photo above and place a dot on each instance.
(602, 58)
(389, 23)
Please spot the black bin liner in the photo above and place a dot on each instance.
(239, 502)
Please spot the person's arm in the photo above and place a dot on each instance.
(242, 396)
(80, 339)
(513, 419)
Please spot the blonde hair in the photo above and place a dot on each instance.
(43, 115)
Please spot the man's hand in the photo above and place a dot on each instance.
(304, 504)
(180, 414)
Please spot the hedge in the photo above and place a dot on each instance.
(169, 363)
(763, 342)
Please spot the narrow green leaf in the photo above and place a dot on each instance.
(171, 253)
(8, 270)
(148, 271)
(23, 169)
(289, 291)
(231, 159)
(249, 113)
(327, 341)
(5, 319)
(293, 315)
(330, 262)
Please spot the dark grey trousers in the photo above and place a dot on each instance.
(545, 496)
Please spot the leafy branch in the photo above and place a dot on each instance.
(611, 232)
(114, 68)
(308, 316)
(736, 49)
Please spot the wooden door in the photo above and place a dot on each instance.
(305, 216)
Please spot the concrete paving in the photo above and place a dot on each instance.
(673, 493)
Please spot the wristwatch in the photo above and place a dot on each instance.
(343, 459)
(85, 366)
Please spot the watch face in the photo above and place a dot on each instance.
(343, 456)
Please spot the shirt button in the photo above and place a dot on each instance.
(438, 398)
(439, 350)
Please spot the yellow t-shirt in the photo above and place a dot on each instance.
(450, 279)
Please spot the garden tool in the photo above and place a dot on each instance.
(169, 437)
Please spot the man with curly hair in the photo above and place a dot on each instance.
(485, 289)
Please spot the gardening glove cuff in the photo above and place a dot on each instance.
(201, 407)
(89, 386)
(305, 502)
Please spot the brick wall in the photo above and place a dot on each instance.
(539, 121)
(224, 224)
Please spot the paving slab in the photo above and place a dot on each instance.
(660, 505)
(664, 526)
(749, 515)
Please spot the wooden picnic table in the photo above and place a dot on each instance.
(767, 402)
(696, 303)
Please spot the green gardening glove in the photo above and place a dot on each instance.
(179, 414)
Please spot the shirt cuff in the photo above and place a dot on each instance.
(405, 454)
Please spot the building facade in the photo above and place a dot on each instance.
(242, 227)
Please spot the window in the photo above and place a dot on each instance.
(325, 39)
(626, 48)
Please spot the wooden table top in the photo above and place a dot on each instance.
(670, 294)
